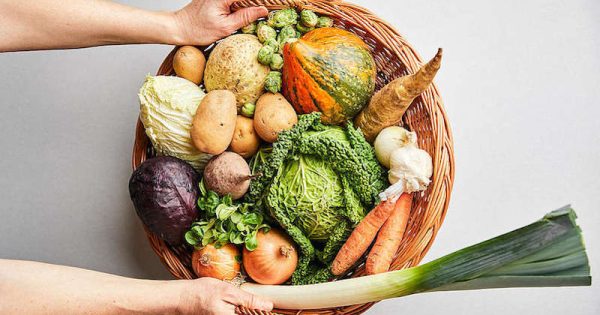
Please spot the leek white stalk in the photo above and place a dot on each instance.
(549, 252)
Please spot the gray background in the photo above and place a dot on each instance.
(519, 80)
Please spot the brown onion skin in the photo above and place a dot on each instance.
(216, 263)
(273, 261)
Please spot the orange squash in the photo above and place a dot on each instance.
(329, 70)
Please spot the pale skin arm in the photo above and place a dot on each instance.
(36, 288)
(52, 24)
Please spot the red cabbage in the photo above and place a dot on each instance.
(164, 191)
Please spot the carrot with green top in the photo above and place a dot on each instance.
(389, 237)
(360, 239)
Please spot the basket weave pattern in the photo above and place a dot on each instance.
(427, 117)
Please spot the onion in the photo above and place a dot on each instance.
(390, 139)
(274, 260)
(222, 263)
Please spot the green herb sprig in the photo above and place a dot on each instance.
(222, 221)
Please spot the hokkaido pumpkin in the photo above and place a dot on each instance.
(329, 70)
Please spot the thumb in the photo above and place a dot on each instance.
(246, 16)
(245, 299)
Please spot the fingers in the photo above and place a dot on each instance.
(239, 297)
(246, 16)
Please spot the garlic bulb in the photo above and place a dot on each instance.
(410, 170)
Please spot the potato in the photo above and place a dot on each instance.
(227, 173)
(214, 122)
(273, 114)
(245, 141)
(233, 66)
(188, 63)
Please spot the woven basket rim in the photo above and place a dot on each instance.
(359, 20)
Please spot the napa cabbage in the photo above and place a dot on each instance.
(167, 106)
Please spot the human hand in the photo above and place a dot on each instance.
(203, 22)
(208, 296)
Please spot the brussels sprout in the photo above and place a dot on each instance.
(276, 62)
(248, 110)
(303, 29)
(308, 18)
(270, 20)
(249, 29)
(284, 17)
(324, 22)
(288, 40)
(288, 33)
(265, 54)
(273, 82)
(273, 43)
(265, 32)
(285, 33)
(298, 34)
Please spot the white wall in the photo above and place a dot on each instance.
(519, 80)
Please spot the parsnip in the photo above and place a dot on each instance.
(389, 104)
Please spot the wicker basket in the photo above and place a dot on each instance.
(394, 58)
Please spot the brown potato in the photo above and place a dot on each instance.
(273, 114)
(245, 141)
(188, 63)
(214, 122)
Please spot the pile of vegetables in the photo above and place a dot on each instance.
(546, 253)
(317, 182)
(300, 187)
(282, 27)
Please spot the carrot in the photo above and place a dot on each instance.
(360, 239)
(389, 237)
(387, 106)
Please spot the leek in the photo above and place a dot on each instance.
(549, 252)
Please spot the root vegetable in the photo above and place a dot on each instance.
(245, 141)
(233, 66)
(227, 173)
(391, 102)
(214, 122)
(362, 236)
(188, 63)
(389, 237)
(273, 261)
(273, 114)
(220, 263)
